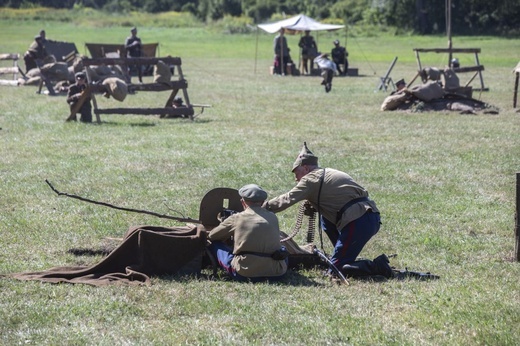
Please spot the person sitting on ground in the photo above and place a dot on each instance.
(328, 69)
(76, 91)
(339, 55)
(347, 215)
(309, 50)
(177, 103)
(256, 253)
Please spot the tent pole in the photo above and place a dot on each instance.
(282, 70)
(256, 49)
(300, 57)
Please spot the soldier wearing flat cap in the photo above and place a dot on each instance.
(348, 216)
(339, 55)
(256, 240)
(77, 94)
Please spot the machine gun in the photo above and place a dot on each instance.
(307, 210)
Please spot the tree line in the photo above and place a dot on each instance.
(469, 17)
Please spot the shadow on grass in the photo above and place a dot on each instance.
(146, 124)
(291, 278)
(90, 252)
(141, 124)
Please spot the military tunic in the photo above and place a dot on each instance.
(133, 50)
(253, 230)
(338, 189)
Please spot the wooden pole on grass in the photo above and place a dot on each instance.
(517, 216)
(448, 30)
(515, 95)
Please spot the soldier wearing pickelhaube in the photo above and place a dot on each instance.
(348, 216)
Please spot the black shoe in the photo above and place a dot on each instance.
(382, 264)
(352, 271)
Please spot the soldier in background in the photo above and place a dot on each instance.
(328, 69)
(281, 53)
(339, 55)
(399, 85)
(133, 48)
(36, 51)
(309, 51)
(75, 93)
(133, 44)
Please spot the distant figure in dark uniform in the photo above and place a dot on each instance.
(35, 52)
(281, 53)
(76, 91)
(339, 55)
(133, 45)
(133, 48)
(309, 51)
(177, 103)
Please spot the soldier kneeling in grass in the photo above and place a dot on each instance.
(77, 93)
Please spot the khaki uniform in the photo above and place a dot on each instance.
(253, 230)
(337, 190)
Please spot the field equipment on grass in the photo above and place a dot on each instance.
(377, 270)
(220, 203)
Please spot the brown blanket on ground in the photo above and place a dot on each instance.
(145, 251)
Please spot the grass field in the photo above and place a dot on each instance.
(444, 182)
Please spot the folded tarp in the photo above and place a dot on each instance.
(146, 251)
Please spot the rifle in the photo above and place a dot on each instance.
(163, 216)
(331, 265)
(401, 274)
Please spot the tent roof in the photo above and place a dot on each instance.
(297, 24)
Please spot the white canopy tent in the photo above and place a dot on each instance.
(295, 25)
(298, 24)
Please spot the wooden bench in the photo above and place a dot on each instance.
(478, 68)
(174, 86)
(14, 70)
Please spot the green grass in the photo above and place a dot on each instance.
(444, 182)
